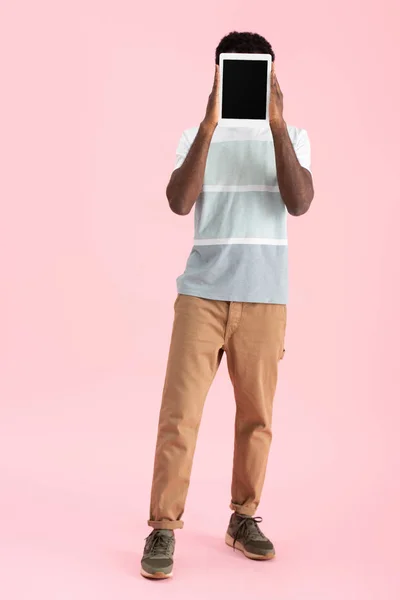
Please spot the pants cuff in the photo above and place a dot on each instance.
(165, 524)
(242, 509)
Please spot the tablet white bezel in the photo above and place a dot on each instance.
(244, 56)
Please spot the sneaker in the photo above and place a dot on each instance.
(157, 561)
(245, 535)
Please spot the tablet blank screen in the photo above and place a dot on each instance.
(244, 89)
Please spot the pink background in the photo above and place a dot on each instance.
(89, 256)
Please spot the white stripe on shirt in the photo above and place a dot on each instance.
(254, 241)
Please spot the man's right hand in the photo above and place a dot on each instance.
(186, 183)
(212, 112)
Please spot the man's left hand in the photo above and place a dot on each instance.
(276, 101)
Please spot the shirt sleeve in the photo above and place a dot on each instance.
(182, 150)
(303, 149)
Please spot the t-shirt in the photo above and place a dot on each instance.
(240, 248)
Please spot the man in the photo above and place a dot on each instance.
(231, 298)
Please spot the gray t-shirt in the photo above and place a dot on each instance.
(240, 250)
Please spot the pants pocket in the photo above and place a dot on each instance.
(176, 301)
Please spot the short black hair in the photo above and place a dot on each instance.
(244, 42)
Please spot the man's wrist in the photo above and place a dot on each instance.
(207, 128)
(278, 125)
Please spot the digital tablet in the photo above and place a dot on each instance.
(245, 82)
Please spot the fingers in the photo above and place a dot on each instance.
(216, 75)
(216, 78)
(275, 84)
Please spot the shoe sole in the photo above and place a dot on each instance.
(229, 540)
(157, 575)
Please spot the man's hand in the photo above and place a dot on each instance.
(295, 182)
(212, 112)
(186, 182)
(276, 101)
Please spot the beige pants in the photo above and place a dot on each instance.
(252, 335)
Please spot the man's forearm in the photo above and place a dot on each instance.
(295, 182)
(186, 182)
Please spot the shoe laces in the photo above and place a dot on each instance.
(247, 527)
(158, 542)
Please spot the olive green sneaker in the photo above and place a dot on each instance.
(158, 555)
(245, 535)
